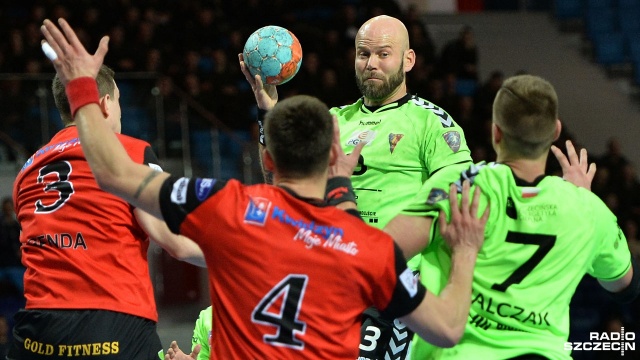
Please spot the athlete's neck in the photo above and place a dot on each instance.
(312, 188)
(526, 169)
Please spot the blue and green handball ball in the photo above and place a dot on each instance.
(274, 53)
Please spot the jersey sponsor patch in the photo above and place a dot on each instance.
(203, 188)
(453, 140)
(179, 192)
(359, 136)
(257, 211)
(409, 281)
(393, 141)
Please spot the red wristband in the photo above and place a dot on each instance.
(82, 91)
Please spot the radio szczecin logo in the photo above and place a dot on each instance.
(605, 341)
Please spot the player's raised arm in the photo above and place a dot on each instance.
(266, 98)
(112, 167)
(575, 170)
(441, 319)
(266, 95)
(411, 233)
(339, 191)
(178, 246)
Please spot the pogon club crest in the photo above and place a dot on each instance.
(393, 141)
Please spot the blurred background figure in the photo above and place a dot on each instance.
(11, 269)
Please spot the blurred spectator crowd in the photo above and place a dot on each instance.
(190, 47)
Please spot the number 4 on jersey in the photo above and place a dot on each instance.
(280, 308)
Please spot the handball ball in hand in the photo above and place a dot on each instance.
(274, 53)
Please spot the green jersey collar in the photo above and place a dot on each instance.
(524, 183)
(396, 104)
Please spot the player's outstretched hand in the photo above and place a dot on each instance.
(344, 163)
(465, 230)
(266, 95)
(71, 60)
(575, 170)
(174, 353)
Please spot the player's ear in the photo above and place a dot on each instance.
(267, 161)
(409, 59)
(558, 130)
(496, 133)
(104, 105)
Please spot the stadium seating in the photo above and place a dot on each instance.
(629, 19)
(609, 49)
(568, 9)
(598, 21)
(136, 123)
(466, 87)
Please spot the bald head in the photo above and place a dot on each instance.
(383, 57)
(384, 29)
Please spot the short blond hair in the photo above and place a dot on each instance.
(526, 110)
(106, 85)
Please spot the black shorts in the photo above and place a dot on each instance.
(383, 339)
(83, 334)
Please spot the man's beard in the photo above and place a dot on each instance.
(375, 91)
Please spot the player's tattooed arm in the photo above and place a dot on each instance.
(145, 182)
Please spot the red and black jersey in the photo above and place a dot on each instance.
(82, 246)
(289, 279)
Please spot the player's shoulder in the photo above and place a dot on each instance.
(424, 110)
(140, 151)
(127, 140)
(344, 109)
(206, 313)
(63, 145)
(499, 177)
(573, 193)
(482, 171)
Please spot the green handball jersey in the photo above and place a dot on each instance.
(202, 333)
(407, 142)
(540, 240)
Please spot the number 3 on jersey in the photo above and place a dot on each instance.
(372, 336)
(361, 168)
(62, 185)
(280, 308)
